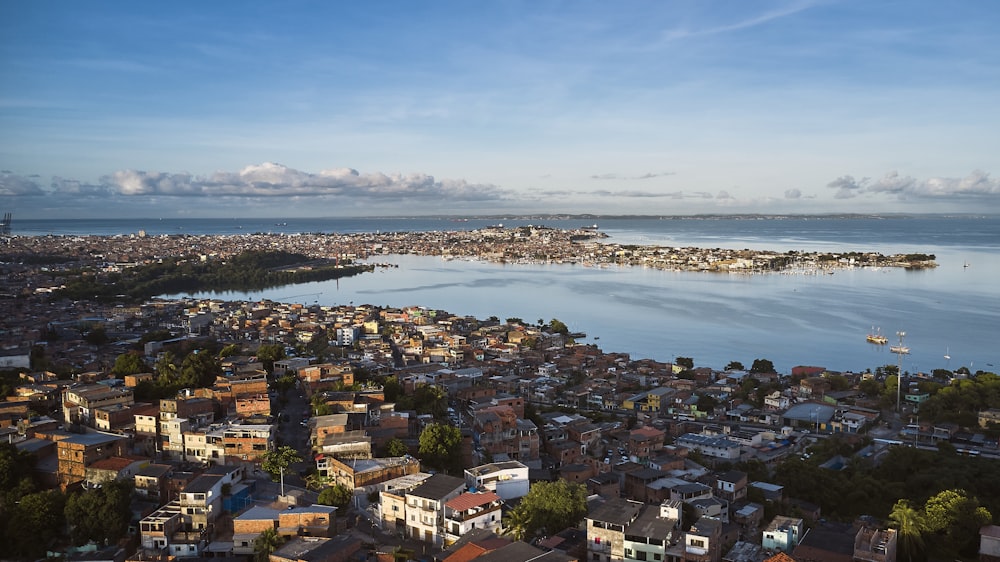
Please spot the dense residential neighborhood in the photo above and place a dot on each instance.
(227, 429)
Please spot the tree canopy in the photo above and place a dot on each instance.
(279, 459)
(762, 366)
(440, 447)
(101, 515)
(395, 448)
(338, 496)
(129, 364)
(548, 508)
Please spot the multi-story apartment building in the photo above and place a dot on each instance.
(392, 500)
(782, 533)
(201, 501)
(644, 443)
(731, 486)
(172, 432)
(151, 482)
(508, 479)
(715, 447)
(247, 442)
(703, 541)
(425, 507)
(80, 402)
(75, 452)
(501, 432)
(358, 473)
(606, 529)
(182, 528)
(199, 410)
(655, 535)
(468, 511)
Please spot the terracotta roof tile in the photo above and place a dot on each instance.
(468, 500)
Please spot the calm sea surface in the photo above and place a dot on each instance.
(792, 320)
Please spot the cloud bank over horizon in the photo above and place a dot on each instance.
(262, 186)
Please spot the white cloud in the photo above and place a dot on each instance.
(793, 194)
(14, 185)
(275, 180)
(977, 184)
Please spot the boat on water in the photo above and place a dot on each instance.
(900, 348)
(876, 337)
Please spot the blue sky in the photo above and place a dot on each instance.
(402, 108)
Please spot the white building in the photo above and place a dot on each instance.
(425, 507)
(782, 533)
(469, 511)
(509, 479)
(715, 447)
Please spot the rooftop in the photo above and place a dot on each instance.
(437, 487)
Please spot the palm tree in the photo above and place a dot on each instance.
(909, 523)
(516, 524)
(265, 544)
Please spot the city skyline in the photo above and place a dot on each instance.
(314, 109)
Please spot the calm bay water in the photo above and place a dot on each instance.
(789, 319)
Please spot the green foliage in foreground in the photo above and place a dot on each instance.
(249, 271)
(548, 508)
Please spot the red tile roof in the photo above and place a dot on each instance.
(468, 501)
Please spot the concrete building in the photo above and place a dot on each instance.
(358, 473)
(80, 402)
(782, 533)
(75, 452)
(425, 507)
(606, 526)
(468, 511)
(715, 447)
(509, 479)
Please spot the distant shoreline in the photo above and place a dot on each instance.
(550, 216)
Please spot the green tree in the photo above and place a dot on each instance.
(549, 508)
(34, 523)
(871, 388)
(16, 468)
(430, 399)
(129, 364)
(558, 327)
(229, 351)
(440, 447)
(199, 370)
(909, 523)
(395, 448)
(393, 390)
(735, 366)
(278, 460)
(956, 516)
(269, 353)
(762, 366)
(101, 515)
(265, 544)
(339, 496)
(166, 368)
(686, 362)
(707, 403)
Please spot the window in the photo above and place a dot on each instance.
(699, 543)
